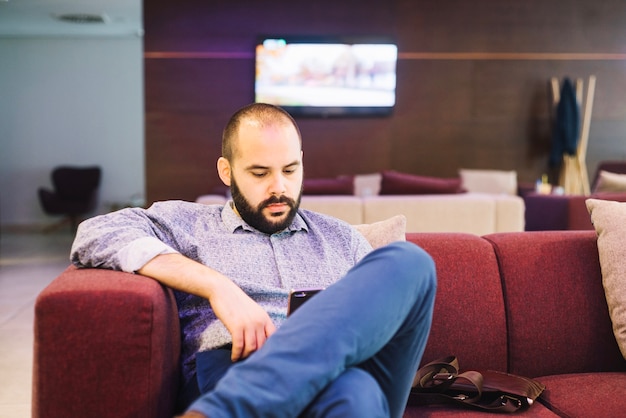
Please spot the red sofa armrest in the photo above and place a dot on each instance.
(107, 344)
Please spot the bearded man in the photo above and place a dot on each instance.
(351, 351)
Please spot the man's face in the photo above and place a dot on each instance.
(265, 175)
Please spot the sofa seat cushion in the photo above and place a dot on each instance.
(585, 394)
(452, 411)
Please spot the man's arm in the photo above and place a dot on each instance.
(138, 240)
(248, 324)
(123, 240)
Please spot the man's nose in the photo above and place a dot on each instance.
(277, 185)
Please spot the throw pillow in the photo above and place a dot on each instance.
(609, 220)
(381, 233)
(610, 182)
(343, 185)
(396, 183)
(489, 181)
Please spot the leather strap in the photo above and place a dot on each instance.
(440, 381)
(439, 374)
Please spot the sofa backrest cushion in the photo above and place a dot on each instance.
(612, 166)
(558, 321)
(396, 183)
(610, 182)
(342, 185)
(469, 319)
(489, 181)
(367, 184)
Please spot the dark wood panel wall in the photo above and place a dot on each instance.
(472, 84)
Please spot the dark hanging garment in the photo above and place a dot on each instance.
(566, 129)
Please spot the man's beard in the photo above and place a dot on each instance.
(255, 217)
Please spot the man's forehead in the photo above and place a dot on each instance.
(258, 135)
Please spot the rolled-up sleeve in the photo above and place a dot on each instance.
(139, 252)
(125, 240)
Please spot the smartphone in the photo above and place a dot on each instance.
(298, 296)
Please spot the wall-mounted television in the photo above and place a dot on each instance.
(339, 76)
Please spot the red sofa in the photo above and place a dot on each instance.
(531, 303)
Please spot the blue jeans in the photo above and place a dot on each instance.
(352, 350)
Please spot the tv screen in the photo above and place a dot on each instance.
(327, 77)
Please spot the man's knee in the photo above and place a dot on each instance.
(355, 393)
(414, 261)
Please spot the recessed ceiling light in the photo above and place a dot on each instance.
(83, 18)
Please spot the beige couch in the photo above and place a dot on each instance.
(490, 205)
(474, 213)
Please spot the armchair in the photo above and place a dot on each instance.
(75, 192)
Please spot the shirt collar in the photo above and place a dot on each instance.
(232, 221)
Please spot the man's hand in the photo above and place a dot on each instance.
(191, 414)
(248, 324)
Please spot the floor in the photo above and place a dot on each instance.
(28, 262)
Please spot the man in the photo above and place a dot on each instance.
(352, 350)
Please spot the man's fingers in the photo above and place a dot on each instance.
(270, 328)
(251, 340)
(237, 349)
(245, 345)
(251, 344)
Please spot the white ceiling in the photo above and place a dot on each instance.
(29, 18)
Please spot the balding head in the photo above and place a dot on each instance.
(259, 114)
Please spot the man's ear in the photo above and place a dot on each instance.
(223, 170)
